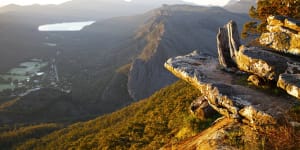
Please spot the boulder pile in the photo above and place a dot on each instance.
(244, 109)
(283, 35)
(224, 94)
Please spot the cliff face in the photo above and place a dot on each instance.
(174, 30)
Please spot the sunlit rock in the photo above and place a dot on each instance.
(292, 24)
(283, 35)
(228, 42)
(225, 96)
(262, 63)
(290, 83)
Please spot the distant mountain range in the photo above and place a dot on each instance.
(241, 6)
(175, 30)
(114, 61)
(103, 9)
(89, 9)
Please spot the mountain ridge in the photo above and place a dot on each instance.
(177, 29)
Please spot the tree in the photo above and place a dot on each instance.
(265, 8)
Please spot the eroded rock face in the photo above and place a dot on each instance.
(290, 83)
(227, 98)
(283, 35)
(262, 63)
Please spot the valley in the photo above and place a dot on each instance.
(101, 74)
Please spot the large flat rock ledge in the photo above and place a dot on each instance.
(225, 96)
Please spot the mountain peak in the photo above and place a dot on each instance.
(240, 6)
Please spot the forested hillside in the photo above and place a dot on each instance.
(148, 124)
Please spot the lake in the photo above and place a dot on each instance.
(67, 26)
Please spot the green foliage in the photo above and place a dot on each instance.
(265, 8)
(148, 124)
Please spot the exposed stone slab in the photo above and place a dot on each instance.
(290, 83)
(226, 97)
(262, 63)
(228, 42)
(234, 38)
(223, 49)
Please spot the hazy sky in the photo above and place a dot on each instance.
(29, 2)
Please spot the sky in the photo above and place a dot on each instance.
(42, 2)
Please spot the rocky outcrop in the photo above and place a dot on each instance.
(264, 64)
(249, 111)
(226, 97)
(283, 35)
